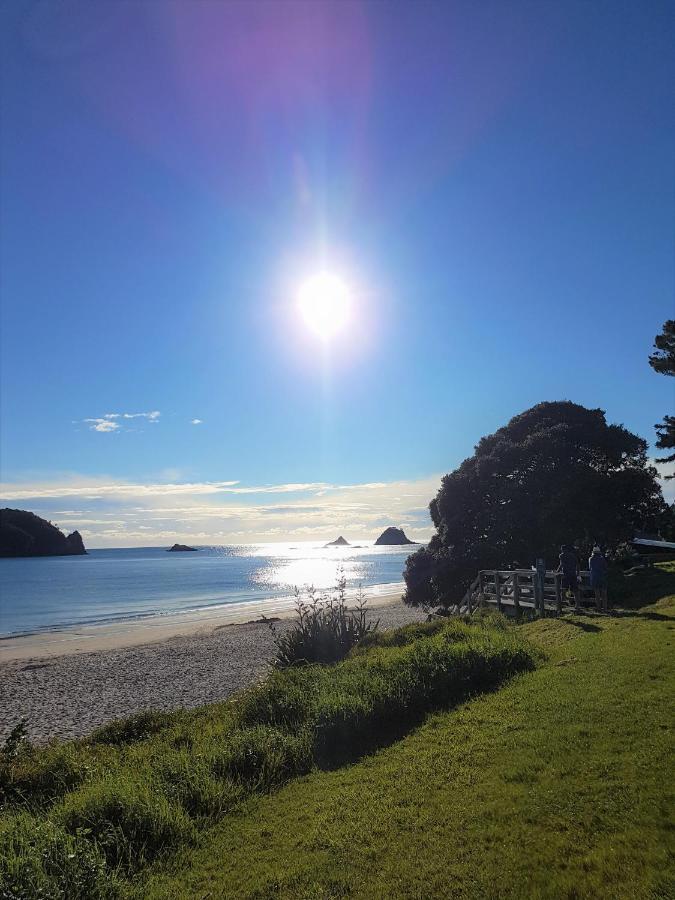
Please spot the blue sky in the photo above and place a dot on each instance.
(494, 182)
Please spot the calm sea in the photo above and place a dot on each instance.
(117, 585)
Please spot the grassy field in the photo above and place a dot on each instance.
(83, 819)
(442, 760)
(557, 785)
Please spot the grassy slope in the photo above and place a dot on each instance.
(557, 785)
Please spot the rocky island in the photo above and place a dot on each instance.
(392, 537)
(22, 533)
(338, 542)
(181, 548)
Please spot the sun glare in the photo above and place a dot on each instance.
(324, 302)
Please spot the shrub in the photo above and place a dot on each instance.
(131, 822)
(324, 631)
(40, 859)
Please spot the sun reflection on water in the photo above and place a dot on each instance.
(290, 566)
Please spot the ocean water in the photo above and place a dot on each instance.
(107, 586)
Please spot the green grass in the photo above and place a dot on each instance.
(559, 785)
(106, 808)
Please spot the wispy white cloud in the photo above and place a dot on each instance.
(197, 422)
(106, 423)
(150, 416)
(92, 489)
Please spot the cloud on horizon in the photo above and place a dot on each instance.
(112, 512)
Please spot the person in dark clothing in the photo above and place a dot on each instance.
(569, 568)
(597, 566)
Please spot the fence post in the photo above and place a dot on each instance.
(540, 578)
(516, 593)
(498, 591)
(558, 593)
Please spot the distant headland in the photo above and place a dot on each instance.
(181, 548)
(392, 536)
(22, 533)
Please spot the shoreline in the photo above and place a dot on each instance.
(66, 691)
(75, 639)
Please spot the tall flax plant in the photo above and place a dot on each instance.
(325, 629)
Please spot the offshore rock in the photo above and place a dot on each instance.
(393, 536)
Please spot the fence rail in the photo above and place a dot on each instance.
(519, 590)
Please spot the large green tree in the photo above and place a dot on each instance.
(557, 473)
(662, 360)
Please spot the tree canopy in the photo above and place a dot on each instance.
(557, 473)
(662, 360)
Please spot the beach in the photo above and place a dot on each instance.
(66, 683)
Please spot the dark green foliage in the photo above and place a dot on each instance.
(557, 473)
(662, 360)
(40, 859)
(131, 823)
(632, 588)
(324, 630)
(23, 533)
(134, 728)
(665, 439)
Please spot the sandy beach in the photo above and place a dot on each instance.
(67, 683)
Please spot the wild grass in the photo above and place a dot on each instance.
(137, 790)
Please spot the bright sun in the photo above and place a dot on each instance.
(324, 301)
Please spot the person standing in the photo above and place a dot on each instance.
(569, 567)
(597, 566)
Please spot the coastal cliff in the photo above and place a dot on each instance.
(22, 533)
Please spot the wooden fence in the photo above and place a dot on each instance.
(518, 590)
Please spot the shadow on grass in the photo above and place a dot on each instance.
(636, 614)
(584, 626)
(350, 747)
